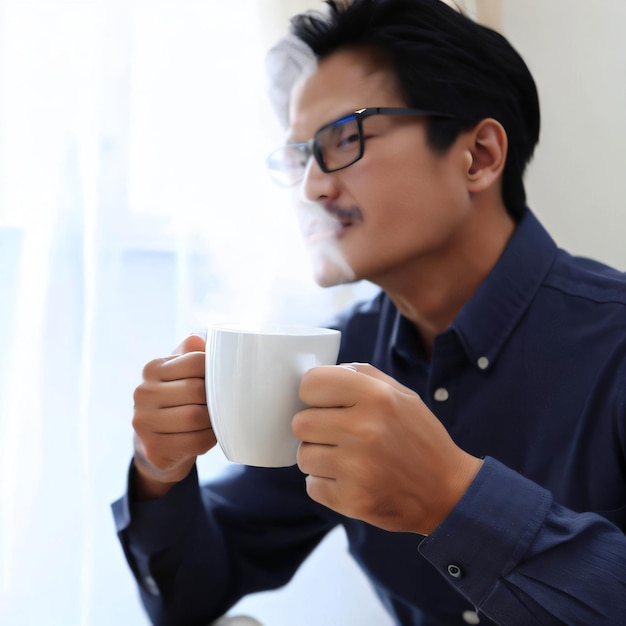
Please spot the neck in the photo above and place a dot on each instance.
(432, 289)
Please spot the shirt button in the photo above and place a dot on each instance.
(151, 586)
(470, 617)
(483, 363)
(455, 571)
(441, 394)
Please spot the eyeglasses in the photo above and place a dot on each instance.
(335, 146)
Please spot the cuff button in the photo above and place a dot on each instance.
(151, 586)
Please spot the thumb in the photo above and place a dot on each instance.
(193, 343)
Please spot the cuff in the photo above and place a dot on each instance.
(488, 532)
(151, 524)
(145, 528)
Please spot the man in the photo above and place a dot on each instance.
(472, 443)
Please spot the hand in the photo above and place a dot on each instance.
(171, 419)
(373, 450)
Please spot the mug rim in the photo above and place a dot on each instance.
(273, 328)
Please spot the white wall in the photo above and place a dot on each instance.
(577, 182)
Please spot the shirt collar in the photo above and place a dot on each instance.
(485, 322)
(488, 318)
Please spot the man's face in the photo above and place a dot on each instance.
(401, 206)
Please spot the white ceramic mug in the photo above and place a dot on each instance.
(253, 375)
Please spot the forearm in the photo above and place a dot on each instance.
(166, 542)
(523, 559)
(195, 552)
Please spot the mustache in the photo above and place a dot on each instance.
(318, 217)
(344, 215)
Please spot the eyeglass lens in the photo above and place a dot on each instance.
(339, 143)
(287, 164)
(336, 146)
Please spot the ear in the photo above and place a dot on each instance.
(486, 151)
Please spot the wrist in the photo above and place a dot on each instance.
(460, 481)
(149, 482)
(145, 485)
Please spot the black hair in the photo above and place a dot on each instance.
(444, 61)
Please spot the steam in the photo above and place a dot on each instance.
(320, 230)
(288, 63)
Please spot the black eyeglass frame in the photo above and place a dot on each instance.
(312, 146)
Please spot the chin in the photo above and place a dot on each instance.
(331, 274)
(330, 266)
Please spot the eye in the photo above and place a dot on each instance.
(348, 140)
(346, 136)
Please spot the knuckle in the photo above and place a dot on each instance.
(139, 395)
(140, 422)
(205, 442)
(197, 389)
(200, 361)
(315, 376)
(385, 396)
(144, 395)
(371, 431)
(302, 456)
(315, 491)
(383, 402)
(299, 424)
(197, 415)
(150, 369)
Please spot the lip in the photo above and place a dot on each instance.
(315, 235)
(321, 223)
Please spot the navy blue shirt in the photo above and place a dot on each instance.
(532, 377)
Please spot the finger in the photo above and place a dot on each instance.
(376, 374)
(344, 384)
(330, 386)
(190, 418)
(178, 367)
(193, 343)
(157, 395)
(319, 425)
(322, 490)
(317, 460)
(163, 450)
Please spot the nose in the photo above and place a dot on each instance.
(317, 185)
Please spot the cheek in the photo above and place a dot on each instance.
(408, 208)
(405, 191)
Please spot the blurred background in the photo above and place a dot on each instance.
(135, 209)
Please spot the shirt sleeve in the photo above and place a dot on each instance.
(524, 560)
(197, 550)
